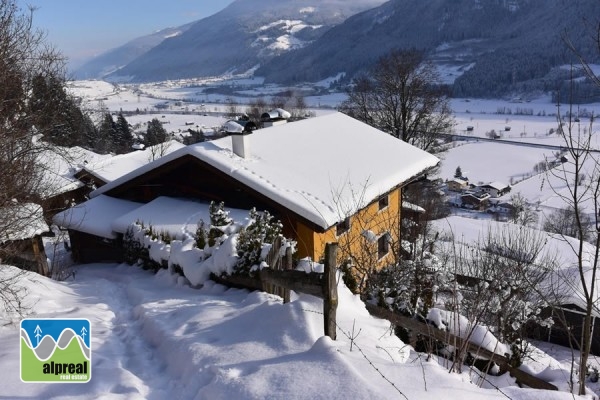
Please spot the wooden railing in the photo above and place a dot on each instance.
(280, 279)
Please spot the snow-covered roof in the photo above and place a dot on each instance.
(232, 127)
(320, 168)
(60, 166)
(178, 217)
(460, 181)
(496, 185)
(26, 221)
(114, 167)
(95, 216)
(412, 207)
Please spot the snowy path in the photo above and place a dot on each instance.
(153, 338)
(134, 355)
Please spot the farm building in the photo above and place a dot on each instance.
(457, 184)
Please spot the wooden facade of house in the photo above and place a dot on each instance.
(457, 184)
(475, 202)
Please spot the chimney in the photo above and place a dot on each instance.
(241, 144)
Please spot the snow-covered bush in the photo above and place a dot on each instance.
(409, 287)
(131, 247)
(219, 220)
(264, 229)
(225, 248)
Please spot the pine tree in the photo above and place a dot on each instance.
(106, 135)
(57, 115)
(263, 230)
(156, 133)
(219, 219)
(124, 138)
(458, 173)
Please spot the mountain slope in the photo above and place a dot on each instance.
(114, 59)
(497, 43)
(241, 36)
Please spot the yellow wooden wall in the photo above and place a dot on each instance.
(312, 244)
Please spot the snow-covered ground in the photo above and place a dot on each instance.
(155, 338)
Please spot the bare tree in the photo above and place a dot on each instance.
(255, 109)
(299, 105)
(521, 212)
(401, 96)
(159, 150)
(504, 280)
(231, 108)
(581, 198)
(24, 57)
(564, 222)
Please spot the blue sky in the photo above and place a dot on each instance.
(84, 28)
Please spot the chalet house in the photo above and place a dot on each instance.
(318, 176)
(457, 184)
(505, 208)
(494, 189)
(475, 201)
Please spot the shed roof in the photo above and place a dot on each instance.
(496, 185)
(95, 216)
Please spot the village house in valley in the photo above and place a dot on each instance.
(317, 176)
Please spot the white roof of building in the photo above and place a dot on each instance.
(95, 216)
(496, 185)
(60, 166)
(26, 221)
(321, 168)
(461, 181)
(116, 166)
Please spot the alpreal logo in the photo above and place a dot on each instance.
(56, 350)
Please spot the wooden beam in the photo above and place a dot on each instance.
(330, 301)
(298, 281)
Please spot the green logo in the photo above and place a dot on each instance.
(56, 350)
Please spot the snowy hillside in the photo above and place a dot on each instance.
(240, 37)
(110, 61)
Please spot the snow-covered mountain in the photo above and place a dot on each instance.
(492, 47)
(244, 35)
(116, 58)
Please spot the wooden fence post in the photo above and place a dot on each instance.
(287, 265)
(330, 300)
